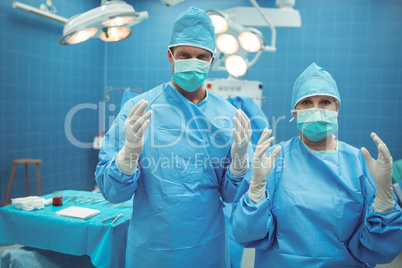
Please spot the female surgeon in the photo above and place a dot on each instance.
(314, 201)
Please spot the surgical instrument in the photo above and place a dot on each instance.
(90, 199)
(98, 200)
(113, 218)
(72, 199)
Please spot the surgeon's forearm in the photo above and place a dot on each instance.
(115, 186)
(229, 186)
(256, 197)
(125, 165)
(384, 202)
(253, 224)
(240, 172)
(256, 191)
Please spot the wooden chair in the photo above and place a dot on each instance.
(26, 162)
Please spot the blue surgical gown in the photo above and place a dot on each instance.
(318, 212)
(182, 176)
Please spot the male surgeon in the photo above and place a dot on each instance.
(175, 149)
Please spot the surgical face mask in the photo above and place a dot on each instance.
(189, 74)
(317, 124)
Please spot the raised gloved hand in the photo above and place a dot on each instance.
(135, 125)
(240, 144)
(262, 166)
(381, 171)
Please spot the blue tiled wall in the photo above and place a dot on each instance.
(359, 42)
(40, 83)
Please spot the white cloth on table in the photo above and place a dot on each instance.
(30, 202)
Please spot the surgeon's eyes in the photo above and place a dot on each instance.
(188, 56)
(326, 102)
(184, 56)
(322, 102)
(204, 57)
(306, 102)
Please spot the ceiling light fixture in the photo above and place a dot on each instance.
(232, 28)
(110, 22)
(229, 35)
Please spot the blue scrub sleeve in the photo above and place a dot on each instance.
(253, 224)
(230, 184)
(378, 238)
(114, 185)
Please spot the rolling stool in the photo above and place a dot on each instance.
(26, 162)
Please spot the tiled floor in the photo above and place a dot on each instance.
(248, 260)
(397, 263)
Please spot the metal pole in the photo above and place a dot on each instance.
(39, 12)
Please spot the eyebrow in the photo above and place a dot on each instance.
(321, 98)
(207, 53)
(327, 98)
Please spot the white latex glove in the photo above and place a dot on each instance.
(381, 171)
(241, 140)
(262, 166)
(135, 125)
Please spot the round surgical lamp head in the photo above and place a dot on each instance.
(227, 43)
(219, 20)
(251, 41)
(221, 25)
(82, 36)
(119, 21)
(236, 66)
(115, 34)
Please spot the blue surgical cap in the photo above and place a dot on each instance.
(193, 28)
(312, 82)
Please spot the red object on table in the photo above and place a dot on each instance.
(57, 201)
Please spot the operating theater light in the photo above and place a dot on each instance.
(118, 21)
(238, 44)
(234, 43)
(220, 24)
(227, 43)
(110, 22)
(115, 34)
(251, 42)
(236, 65)
(82, 36)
